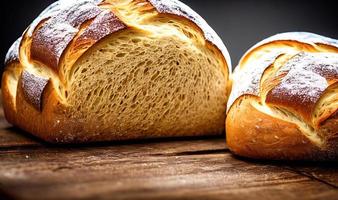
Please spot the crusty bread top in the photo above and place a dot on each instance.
(307, 77)
(178, 8)
(300, 37)
(53, 36)
(56, 27)
(104, 24)
(292, 71)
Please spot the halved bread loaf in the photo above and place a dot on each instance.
(94, 70)
(284, 99)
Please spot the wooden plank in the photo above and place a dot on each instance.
(324, 172)
(155, 170)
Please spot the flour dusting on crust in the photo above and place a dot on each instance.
(248, 79)
(13, 52)
(302, 37)
(306, 80)
(322, 66)
(55, 9)
(49, 41)
(33, 88)
(103, 25)
(176, 7)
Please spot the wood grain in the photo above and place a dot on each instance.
(186, 168)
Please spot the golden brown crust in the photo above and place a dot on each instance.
(307, 76)
(290, 112)
(252, 133)
(329, 113)
(8, 100)
(329, 130)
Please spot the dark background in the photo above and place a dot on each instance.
(240, 23)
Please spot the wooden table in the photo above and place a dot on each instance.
(188, 168)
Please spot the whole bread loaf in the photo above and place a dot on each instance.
(93, 70)
(284, 99)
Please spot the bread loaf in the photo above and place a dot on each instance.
(284, 99)
(93, 70)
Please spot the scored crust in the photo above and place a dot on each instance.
(308, 76)
(53, 36)
(255, 134)
(178, 8)
(37, 93)
(33, 88)
(284, 99)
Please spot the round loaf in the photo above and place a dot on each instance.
(284, 99)
(94, 70)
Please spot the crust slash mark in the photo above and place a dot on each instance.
(33, 87)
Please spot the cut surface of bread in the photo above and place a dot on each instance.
(113, 70)
(284, 99)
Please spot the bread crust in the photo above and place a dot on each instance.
(52, 37)
(13, 52)
(274, 110)
(53, 43)
(177, 8)
(33, 88)
(252, 133)
(301, 88)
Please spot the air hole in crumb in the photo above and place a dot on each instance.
(95, 91)
(136, 40)
(140, 64)
(101, 92)
(182, 97)
(149, 62)
(134, 98)
(146, 71)
(155, 75)
(166, 113)
(120, 55)
(88, 96)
